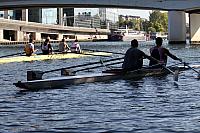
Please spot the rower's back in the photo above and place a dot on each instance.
(62, 46)
(29, 48)
(46, 47)
(133, 58)
(75, 48)
(160, 54)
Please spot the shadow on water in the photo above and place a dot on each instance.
(23, 92)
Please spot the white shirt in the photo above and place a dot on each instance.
(75, 47)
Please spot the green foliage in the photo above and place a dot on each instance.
(151, 29)
(158, 22)
(131, 23)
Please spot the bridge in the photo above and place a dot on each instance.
(176, 8)
(181, 5)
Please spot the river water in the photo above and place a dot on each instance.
(148, 105)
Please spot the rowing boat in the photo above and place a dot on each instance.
(24, 58)
(62, 81)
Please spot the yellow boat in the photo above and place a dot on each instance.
(24, 58)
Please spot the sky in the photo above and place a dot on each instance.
(141, 13)
(135, 12)
(112, 13)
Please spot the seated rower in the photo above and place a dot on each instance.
(63, 46)
(160, 54)
(29, 48)
(46, 47)
(133, 59)
(75, 48)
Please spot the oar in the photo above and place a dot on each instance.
(186, 64)
(97, 66)
(103, 51)
(33, 75)
(84, 53)
(93, 54)
(166, 68)
(12, 54)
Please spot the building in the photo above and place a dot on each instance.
(128, 17)
(68, 16)
(86, 23)
(79, 17)
(35, 15)
(109, 18)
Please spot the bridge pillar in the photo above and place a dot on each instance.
(176, 27)
(25, 15)
(38, 36)
(1, 34)
(194, 28)
(5, 14)
(19, 36)
(60, 16)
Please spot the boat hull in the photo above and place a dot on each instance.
(63, 81)
(59, 82)
(50, 57)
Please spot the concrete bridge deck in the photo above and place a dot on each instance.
(183, 5)
(15, 24)
(22, 27)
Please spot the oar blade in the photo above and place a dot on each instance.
(176, 75)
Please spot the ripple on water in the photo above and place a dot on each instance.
(148, 105)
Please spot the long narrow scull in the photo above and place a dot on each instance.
(51, 57)
(59, 82)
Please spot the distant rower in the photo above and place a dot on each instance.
(29, 48)
(75, 48)
(63, 46)
(46, 47)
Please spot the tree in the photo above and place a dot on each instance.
(159, 21)
(145, 24)
(121, 21)
(151, 29)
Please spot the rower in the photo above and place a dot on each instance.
(46, 47)
(63, 46)
(134, 57)
(75, 48)
(160, 53)
(29, 48)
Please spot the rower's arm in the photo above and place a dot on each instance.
(151, 58)
(171, 55)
